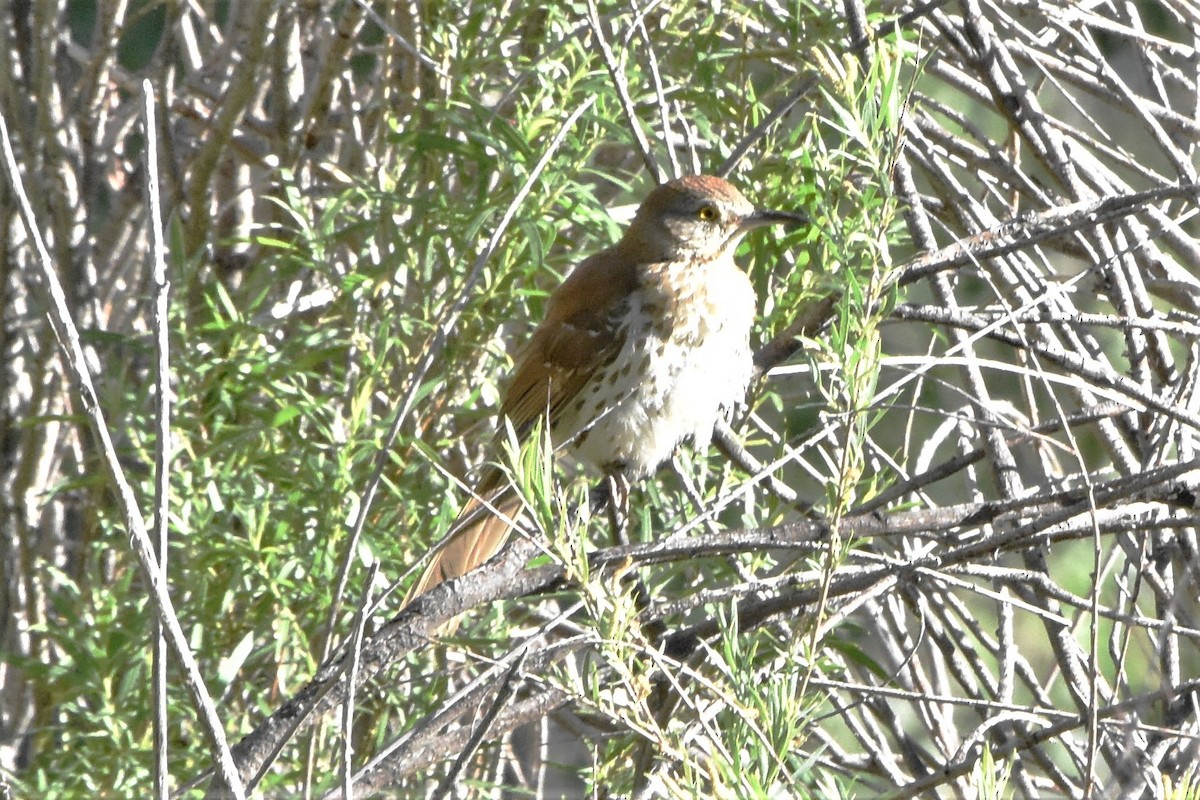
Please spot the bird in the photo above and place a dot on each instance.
(643, 347)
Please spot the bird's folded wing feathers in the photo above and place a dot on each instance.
(577, 337)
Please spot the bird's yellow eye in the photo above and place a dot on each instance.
(707, 213)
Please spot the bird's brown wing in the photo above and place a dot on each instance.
(576, 338)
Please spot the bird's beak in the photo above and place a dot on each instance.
(761, 216)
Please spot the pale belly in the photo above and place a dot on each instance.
(665, 387)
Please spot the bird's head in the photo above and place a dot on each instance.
(698, 217)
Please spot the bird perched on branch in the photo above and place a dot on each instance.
(645, 345)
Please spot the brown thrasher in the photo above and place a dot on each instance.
(643, 346)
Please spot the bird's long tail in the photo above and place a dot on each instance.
(482, 528)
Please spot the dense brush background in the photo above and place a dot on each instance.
(956, 555)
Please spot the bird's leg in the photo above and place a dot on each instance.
(600, 499)
(618, 506)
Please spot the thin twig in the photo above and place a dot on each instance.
(348, 705)
(143, 547)
(504, 691)
(162, 424)
(622, 87)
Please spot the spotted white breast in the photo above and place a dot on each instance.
(684, 360)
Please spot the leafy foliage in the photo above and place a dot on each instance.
(968, 558)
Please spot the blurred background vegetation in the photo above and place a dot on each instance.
(980, 375)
